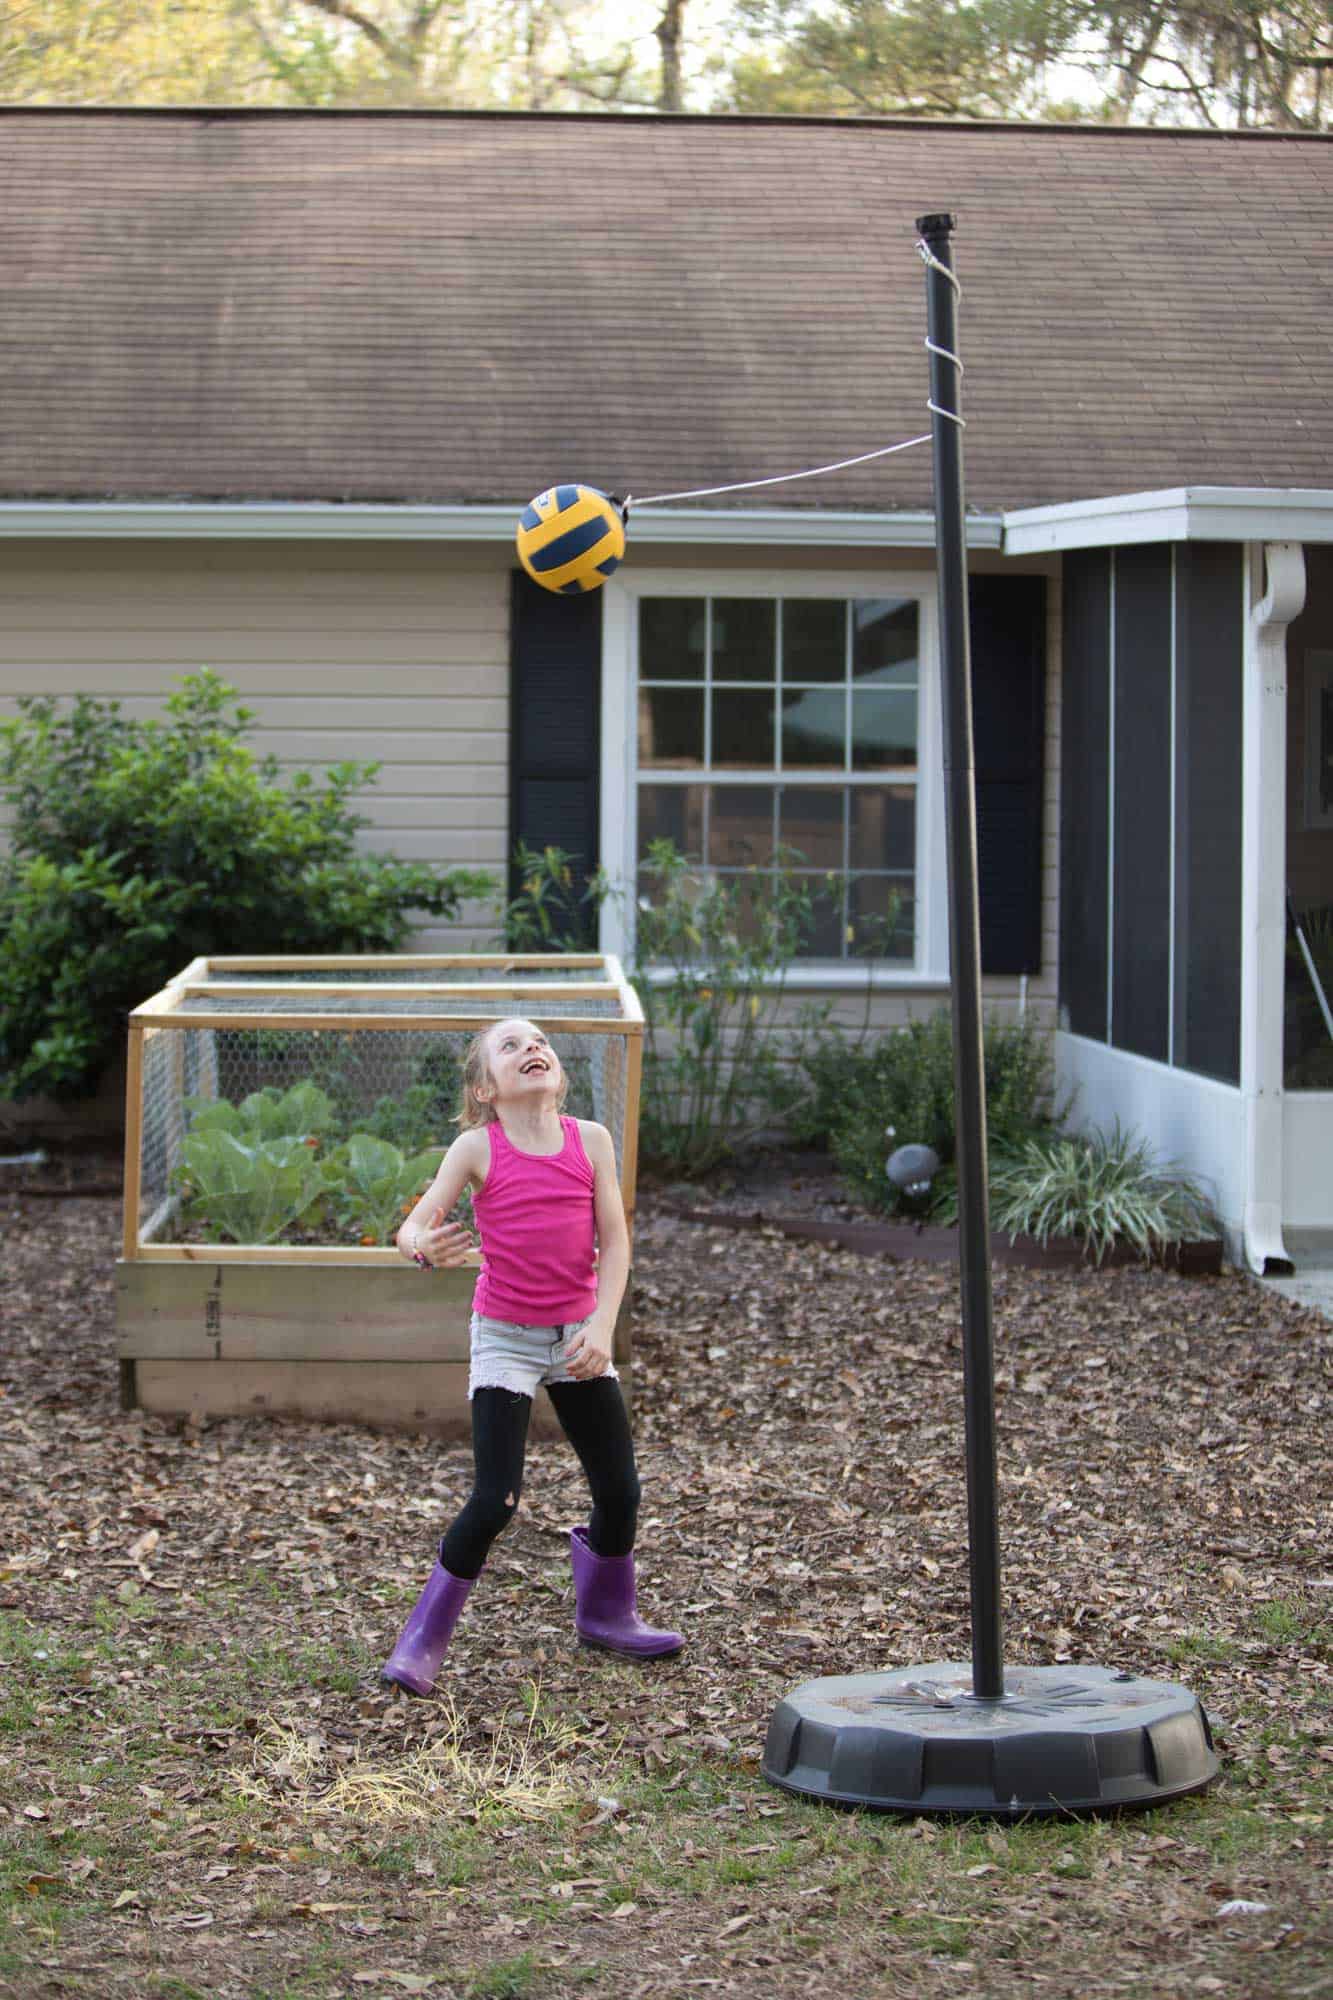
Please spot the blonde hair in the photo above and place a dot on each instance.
(478, 1110)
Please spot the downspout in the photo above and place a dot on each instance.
(1263, 891)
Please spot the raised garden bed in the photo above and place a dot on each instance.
(258, 1273)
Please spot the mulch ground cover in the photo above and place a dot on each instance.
(204, 1793)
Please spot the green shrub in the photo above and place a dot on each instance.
(136, 847)
(896, 1089)
(711, 960)
(1104, 1189)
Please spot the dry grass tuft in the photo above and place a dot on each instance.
(526, 1773)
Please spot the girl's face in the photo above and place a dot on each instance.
(522, 1062)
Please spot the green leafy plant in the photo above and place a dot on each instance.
(137, 846)
(301, 1112)
(248, 1191)
(375, 1184)
(550, 911)
(896, 1089)
(711, 962)
(417, 1120)
(253, 1170)
(1104, 1189)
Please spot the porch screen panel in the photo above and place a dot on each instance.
(1209, 687)
(1084, 790)
(1141, 806)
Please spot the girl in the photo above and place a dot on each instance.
(543, 1187)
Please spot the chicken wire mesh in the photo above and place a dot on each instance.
(569, 972)
(278, 1086)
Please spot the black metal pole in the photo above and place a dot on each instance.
(964, 961)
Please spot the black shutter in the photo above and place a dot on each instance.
(555, 689)
(1007, 627)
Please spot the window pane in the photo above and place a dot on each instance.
(814, 639)
(671, 639)
(810, 821)
(883, 728)
(883, 826)
(674, 813)
(814, 728)
(744, 640)
(741, 826)
(742, 728)
(671, 727)
(884, 641)
(880, 915)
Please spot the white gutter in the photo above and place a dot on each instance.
(1175, 514)
(319, 521)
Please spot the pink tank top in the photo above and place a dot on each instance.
(537, 1223)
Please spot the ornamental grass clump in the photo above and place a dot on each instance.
(1104, 1189)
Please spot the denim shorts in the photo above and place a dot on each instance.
(520, 1358)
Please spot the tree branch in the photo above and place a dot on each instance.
(342, 11)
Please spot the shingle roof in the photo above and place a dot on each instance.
(459, 308)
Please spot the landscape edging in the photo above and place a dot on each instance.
(923, 1243)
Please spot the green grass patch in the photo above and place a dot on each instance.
(509, 1979)
(1295, 1621)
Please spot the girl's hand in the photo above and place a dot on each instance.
(588, 1354)
(441, 1243)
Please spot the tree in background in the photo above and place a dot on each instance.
(131, 52)
(512, 54)
(917, 58)
(1175, 61)
(1198, 62)
(1193, 61)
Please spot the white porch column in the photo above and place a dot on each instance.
(1264, 888)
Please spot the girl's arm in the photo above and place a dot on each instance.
(427, 1232)
(589, 1351)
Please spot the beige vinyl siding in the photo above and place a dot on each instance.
(392, 652)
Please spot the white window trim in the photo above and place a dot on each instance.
(619, 763)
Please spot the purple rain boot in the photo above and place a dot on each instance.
(604, 1596)
(423, 1641)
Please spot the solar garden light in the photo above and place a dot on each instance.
(940, 1738)
(912, 1169)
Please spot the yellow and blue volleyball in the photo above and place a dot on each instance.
(570, 539)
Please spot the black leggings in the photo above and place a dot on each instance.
(593, 1417)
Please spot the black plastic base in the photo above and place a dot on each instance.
(1059, 1740)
